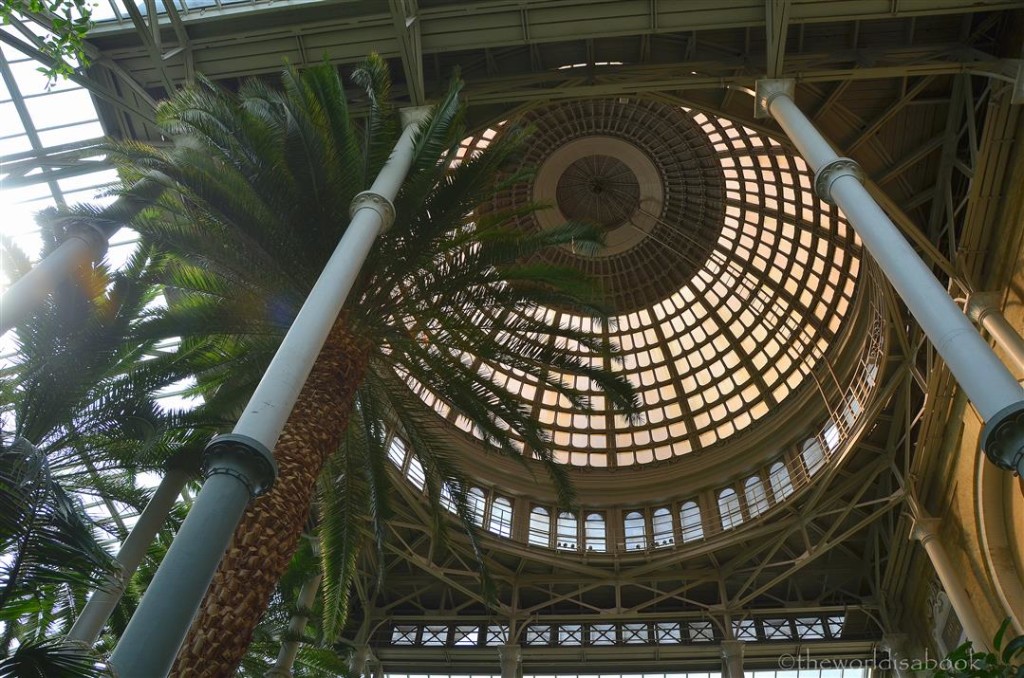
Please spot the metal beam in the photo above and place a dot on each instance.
(405, 17)
(777, 26)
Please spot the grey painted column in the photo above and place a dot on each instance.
(233, 477)
(290, 646)
(101, 604)
(732, 658)
(511, 657)
(84, 244)
(995, 393)
(240, 466)
(925, 530)
(895, 643)
(357, 667)
(983, 308)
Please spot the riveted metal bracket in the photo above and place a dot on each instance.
(1002, 439)
(243, 458)
(767, 89)
(829, 172)
(376, 202)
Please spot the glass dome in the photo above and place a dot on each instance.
(730, 281)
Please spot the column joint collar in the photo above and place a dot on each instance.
(244, 458)
(830, 172)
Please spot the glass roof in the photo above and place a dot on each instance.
(740, 333)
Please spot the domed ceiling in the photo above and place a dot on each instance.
(728, 280)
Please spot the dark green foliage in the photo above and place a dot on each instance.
(1005, 661)
(51, 659)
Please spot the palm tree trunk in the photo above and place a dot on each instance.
(268, 535)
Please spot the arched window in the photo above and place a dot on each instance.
(447, 501)
(567, 538)
(501, 517)
(757, 498)
(540, 527)
(729, 508)
(414, 472)
(782, 485)
(636, 531)
(396, 452)
(814, 459)
(595, 533)
(661, 523)
(689, 519)
(477, 502)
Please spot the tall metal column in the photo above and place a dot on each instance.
(289, 644)
(93, 618)
(732, 658)
(511, 661)
(925, 530)
(983, 308)
(83, 244)
(240, 466)
(895, 643)
(986, 381)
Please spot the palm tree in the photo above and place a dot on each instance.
(80, 421)
(259, 188)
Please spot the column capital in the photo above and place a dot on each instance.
(767, 89)
(925, 529)
(980, 304)
(414, 115)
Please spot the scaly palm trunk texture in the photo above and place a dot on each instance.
(268, 535)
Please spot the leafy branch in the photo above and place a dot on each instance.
(69, 20)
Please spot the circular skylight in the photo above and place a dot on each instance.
(729, 280)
